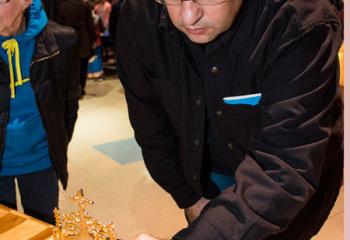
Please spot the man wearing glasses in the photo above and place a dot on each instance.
(235, 105)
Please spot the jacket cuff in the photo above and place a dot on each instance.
(185, 197)
(203, 231)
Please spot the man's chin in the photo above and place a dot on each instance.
(200, 39)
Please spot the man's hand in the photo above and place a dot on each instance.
(144, 236)
(193, 212)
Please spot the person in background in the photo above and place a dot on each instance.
(77, 14)
(39, 94)
(95, 67)
(103, 9)
(91, 4)
(51, 7)
(236, 107)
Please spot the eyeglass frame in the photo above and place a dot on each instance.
(194, 1)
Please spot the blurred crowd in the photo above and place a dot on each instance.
(95, 22)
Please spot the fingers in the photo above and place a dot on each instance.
(144, 236)
(194, 211)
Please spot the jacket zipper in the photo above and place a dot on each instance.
(39, 107)
(44, 58)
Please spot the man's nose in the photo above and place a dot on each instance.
(190, 12)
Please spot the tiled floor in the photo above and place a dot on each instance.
(124, 193)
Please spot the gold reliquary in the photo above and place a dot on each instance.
(79, 225)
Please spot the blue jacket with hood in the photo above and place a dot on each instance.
(54, 81)
(26, 146)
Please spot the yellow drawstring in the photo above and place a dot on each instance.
(12, 48)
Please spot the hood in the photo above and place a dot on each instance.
(17, 51)
(36, 22)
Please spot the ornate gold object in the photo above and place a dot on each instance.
(79, 225)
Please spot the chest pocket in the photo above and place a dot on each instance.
(239, 122)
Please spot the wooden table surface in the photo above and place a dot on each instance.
(18, 226)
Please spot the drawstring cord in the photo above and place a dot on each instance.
(13, 49)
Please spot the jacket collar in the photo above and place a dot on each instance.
(46, 45)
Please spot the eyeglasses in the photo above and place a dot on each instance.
(4, 1)
(199, 2)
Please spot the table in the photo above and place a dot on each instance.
(18, 226)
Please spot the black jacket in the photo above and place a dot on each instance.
(77, 14)
(51, 7)
(285, 152)
(54, 75)
(113, 20)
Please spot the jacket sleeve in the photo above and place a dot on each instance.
(287, 152)
(72, 87)
(153, 130)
